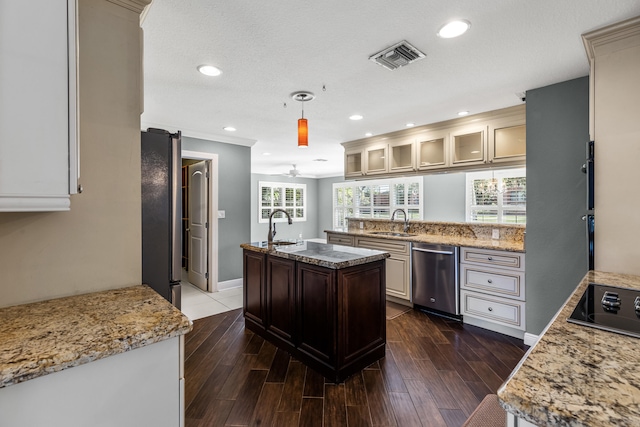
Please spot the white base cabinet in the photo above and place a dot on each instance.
(38, 114)
(492, 289)
(141, 387)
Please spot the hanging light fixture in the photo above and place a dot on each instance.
(303, 129)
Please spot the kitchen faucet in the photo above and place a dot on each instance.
(406, 218)
(272, 234)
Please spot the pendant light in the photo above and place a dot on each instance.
(303, 129)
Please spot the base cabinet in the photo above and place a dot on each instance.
(493, 290)
(334, 321)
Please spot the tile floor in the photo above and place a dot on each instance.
(197, 303)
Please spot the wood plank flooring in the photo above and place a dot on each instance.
(435, 373)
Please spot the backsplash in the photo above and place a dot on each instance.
(511, 233)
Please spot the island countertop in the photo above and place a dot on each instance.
(44, 337)
(576, 375)
(320, 254)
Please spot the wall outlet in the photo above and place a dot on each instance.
(361, 225)
(221, 214)
(495, 233)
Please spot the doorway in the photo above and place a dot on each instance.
(200, 224)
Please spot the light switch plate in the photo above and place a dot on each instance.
(495, 233)
(221, 214)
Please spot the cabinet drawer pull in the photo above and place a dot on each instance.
(490, 258)
(489, 281)
(490, 308)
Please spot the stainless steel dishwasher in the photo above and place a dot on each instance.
(435, 277)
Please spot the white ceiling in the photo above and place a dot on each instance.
(267, 50)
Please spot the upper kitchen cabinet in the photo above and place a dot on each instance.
(38, 107)
(402, 152)
(353, 163)
(433, 151)
(376, 159)
(468, 145)
(507, 141)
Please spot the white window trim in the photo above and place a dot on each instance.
(499, 208)
(284, 186)
(392, 206)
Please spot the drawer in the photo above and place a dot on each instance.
(387, 245)
(340, 239)
(501, 283)
(495, 258)
(506, 312)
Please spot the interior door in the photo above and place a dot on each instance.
(198, 217)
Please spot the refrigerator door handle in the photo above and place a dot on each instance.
(176, 208)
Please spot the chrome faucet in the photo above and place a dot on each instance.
(406, 218)
(272, 234)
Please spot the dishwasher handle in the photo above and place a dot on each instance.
(431, 251)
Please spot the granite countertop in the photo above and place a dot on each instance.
(576, 375)
(320, 254)
(49, 336)
(455, 240)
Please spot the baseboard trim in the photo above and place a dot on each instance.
(230, 284)
(530, 339)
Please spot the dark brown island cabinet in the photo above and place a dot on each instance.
(323, 304)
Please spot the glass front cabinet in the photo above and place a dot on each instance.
(468, 146)
(507, 141)
(433, 151)
(376, 159)
(402, 153)
(353, 163)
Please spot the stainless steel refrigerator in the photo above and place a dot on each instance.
(162, 212)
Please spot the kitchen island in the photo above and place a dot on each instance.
(577, 375)
(323, 304)
(113, 353)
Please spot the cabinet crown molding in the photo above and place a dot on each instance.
(612, 38)
(134, 5)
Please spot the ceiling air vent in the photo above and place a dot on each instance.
(398, 55)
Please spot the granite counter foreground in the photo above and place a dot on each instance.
(45, 337)
(576, 375)
(320, 254)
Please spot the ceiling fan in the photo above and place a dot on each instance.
(292, 172)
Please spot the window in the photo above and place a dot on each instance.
(281, 195)
(376, 199)
(497, 196)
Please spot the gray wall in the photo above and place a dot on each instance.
(444, 197)
(234, 186)
(308, 228)
(556, 242)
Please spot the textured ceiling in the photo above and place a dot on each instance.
(267, 50)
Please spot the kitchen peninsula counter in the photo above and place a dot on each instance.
(50, 336)
(577, 375)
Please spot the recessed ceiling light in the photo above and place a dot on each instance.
(229, 128)
(320, 160)
(368, 134)
(355, 117)
(209, 70)
(454, 29)
(266, 154)
(410, 125)
(463, 113)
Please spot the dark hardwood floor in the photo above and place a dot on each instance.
(435, 373)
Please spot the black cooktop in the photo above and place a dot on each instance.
(609, 308)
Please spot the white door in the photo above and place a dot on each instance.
(198, 214)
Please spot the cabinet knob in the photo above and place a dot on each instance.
(490, 258)
(432, 299)
(80, 188)
(489, 281)
(490, 308)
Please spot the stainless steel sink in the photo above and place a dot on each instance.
(392, 233)
(283, 242)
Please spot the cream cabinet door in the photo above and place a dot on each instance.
(38, 160)
(398, 276)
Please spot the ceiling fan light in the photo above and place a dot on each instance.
(303, 133)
